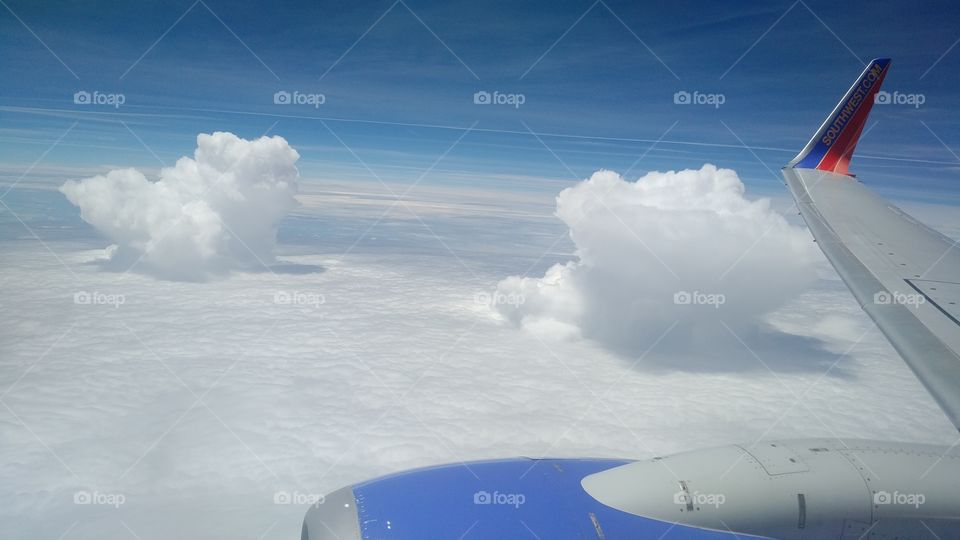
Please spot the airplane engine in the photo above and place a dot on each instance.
(795, 489)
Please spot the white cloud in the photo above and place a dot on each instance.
(396, 368)
(206, 215)
(681, 247)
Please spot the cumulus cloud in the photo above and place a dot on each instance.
(206, 215)
(680, 250)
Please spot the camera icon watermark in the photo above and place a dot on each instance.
(899, 98)
(497, 298)
(896, 298)
(82, 97)
(483, 97)
(686, 498)
(84, 497)
(298, 498)
(683, 97)
(97, 298)
(515, 500)
(915, 500)
(299, 298)
(698, 298)
(282, 97)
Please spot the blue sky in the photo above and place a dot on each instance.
(398, 78)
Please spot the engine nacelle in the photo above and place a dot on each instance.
(789, 490)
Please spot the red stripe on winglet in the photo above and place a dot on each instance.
(837, 159)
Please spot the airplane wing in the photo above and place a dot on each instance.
(905, 275)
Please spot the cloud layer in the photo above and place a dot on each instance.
(384, 361)
(397, 368)
(206, 215)
(678, 250)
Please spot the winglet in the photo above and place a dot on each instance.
(832, 147)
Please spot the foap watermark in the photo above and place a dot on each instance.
(282, 97)
(483, 97)
(97, 298)
(686, 498)
(899, 98)
(901, 499)
(299, 298)
(497, 298)
(298, 498)
(82, 97)
(115, 500)
(896, 298)
(683, 97)
(698, 298)
(496, 498)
